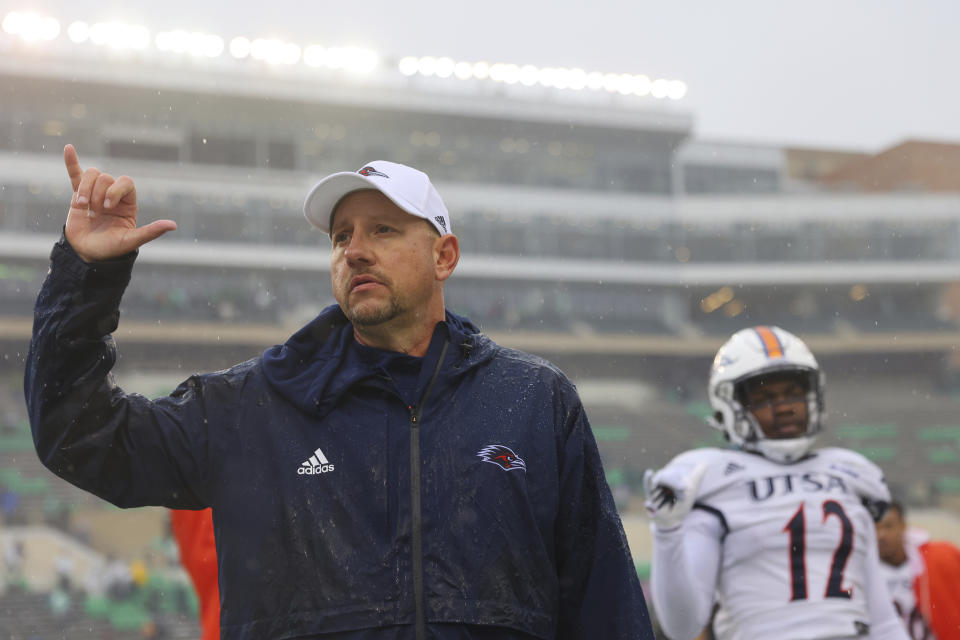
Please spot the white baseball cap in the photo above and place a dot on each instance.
(408, 188)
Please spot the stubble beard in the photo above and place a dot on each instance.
(366, 315)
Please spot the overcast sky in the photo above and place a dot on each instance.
(862, 74)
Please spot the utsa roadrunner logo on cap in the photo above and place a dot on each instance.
(370, 171)
(502, 456)
(315, 464)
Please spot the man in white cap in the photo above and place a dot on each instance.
(388, 472)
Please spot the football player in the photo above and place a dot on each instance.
(923, 577)
(780, 535)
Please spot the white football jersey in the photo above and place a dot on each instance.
(796, 545)
(900, 580)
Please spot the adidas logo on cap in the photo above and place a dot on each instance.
(315, 464)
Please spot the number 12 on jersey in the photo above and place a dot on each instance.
(796, 527)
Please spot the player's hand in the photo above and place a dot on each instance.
(102, 222)
(671, 493)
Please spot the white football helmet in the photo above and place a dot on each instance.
(754, 352)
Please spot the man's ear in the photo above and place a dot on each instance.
(446, 251)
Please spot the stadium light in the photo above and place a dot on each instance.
(463, 70)
(240, 47)
(551, 77)
(193, 42)
(677, 89)
(275, 51)
(528, 75)
(577, 79)
(642, 85)
(660, 88)
(427, 65)
(409, 66)
(444, 67)
(118, 35)
(30, 27)
(481, 70)
(79, 32)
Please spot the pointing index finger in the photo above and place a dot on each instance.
(72, 162)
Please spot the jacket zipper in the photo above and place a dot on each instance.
(416, 515)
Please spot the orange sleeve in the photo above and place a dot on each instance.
(938, 589)
(193, 531)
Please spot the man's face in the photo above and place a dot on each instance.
(382, 261)
(779, 404)
(890, 531)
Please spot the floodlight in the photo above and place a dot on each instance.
(408, 66)
(463, 70)
(511, 73)
(444, 67)
(240, 47)
(641, 85)
(676, 89)
(79, 32)
(481, 70)
(528, 75)
(561, 78)
(545, 76)
(118, 35)
(576, 79)
(427, 65)
(659, 88)
(30, 27)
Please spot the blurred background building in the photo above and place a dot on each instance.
(598, 230)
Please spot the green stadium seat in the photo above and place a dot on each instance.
(948, 484)
(615, 476)
(604, 433)
(865, 431)
(17, 443)
(126, 616)
(878, 453)
(97, 606)
(699, 409)
(939, 432)
(943, 456)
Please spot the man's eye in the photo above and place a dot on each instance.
(384, 229)
(340, 238)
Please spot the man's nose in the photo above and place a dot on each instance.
(358, 250)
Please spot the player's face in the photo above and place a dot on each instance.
(382, 261)
(779, 404)
(890, 531)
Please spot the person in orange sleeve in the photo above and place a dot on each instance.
(193, 531)
(923, 577)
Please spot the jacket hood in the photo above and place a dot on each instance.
(314, 367)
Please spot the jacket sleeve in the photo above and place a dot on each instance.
(600, 594)
(124, 448)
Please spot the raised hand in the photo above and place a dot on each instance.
(102, 222)
(671, 493)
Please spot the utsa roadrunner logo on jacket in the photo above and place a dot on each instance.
(502, 456)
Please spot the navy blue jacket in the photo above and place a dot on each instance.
(479, 512)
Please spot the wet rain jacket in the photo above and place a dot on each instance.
(338, 509)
